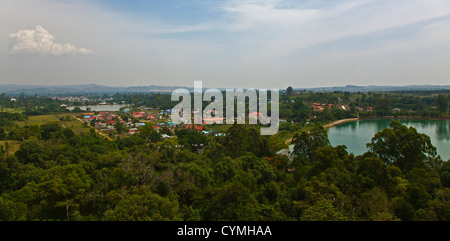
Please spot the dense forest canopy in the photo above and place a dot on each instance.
(63, 176)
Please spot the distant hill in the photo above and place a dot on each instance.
(355, 88)
(94, 89)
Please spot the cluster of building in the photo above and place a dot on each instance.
(143, 115)
(362, 109)
(106, 122)
(81, 99)
(88, 100)
(321, 106)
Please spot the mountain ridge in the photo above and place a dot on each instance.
(89, 89)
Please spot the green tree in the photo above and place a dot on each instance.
(240, 139)
(150, 134)
(226, 169)
(63, 191)
(143, 205)
(289, 91)
(371, 172)
(445, 174)
(68, 133)
(235, 143)
(31, 152)
(307, 143)
(442, 103)
(11, 210)
(120, 128)
(232, 202)
(50, 130)
(440, 205)
(191, 138)
(323, 210)
(2, 133)
(374, 206)
(383, 105)
(402, 146)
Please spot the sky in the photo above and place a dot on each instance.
(225, 43)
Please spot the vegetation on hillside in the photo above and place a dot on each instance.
(65, 176)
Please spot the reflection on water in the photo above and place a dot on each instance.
(441, 129)
(438, 127)
(356, 134)
(354, 125)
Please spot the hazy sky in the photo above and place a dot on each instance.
(225, 43)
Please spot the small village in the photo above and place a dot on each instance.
(125, 123)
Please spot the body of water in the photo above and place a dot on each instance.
(100, 107)
(356, 134)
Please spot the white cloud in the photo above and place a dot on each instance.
(267, 13)
(85, 51)
(39, 41)
(288, 27)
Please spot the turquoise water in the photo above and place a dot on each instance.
(356, 134)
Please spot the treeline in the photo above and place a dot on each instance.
(7, 118)
(297, 107)
(240, 176)
(294, 106)
(42, 105)
(152, 100)
(7, 121)
(417, 106)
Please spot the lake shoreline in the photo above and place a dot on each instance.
(335, 123)
(403, 118)
(342, 121)
(354, 135)
(338, 122)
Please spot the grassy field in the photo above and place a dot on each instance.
(13, 146)
(69, 122)
(13, 110)
(37, 120)
(66, 120)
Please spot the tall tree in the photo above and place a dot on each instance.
(289, 91)
(307, 143)
(149, 133)
(120, 128)
(242, 138)
(402, 146)
(30, 152)
(50, 130)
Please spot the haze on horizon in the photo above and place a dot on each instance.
(226, 43)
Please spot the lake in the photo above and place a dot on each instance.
(100, 107)
(356, 134)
